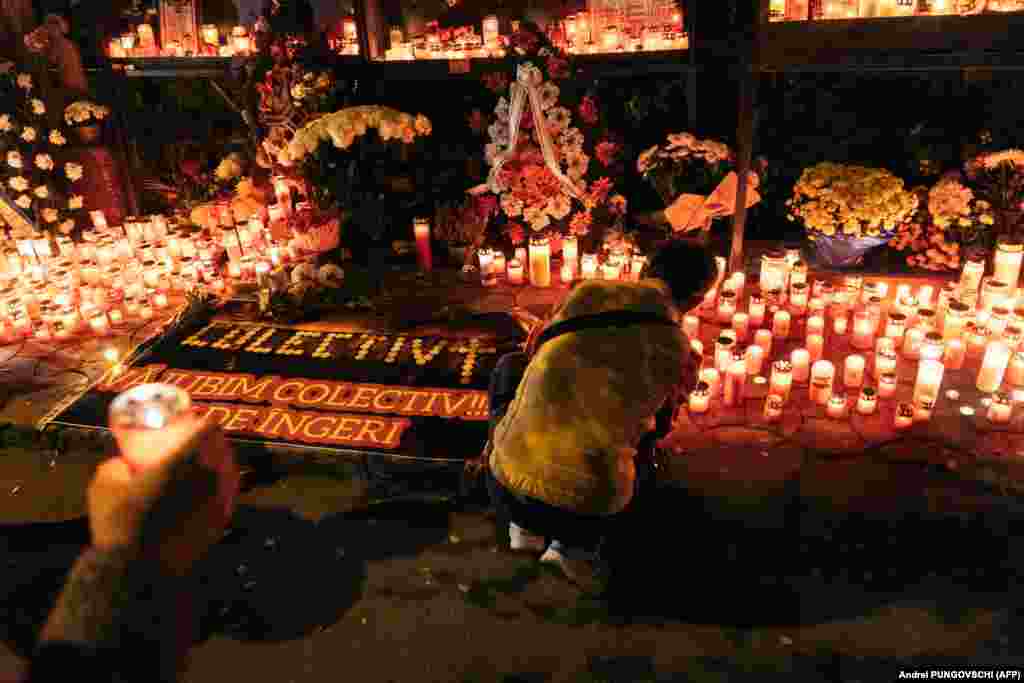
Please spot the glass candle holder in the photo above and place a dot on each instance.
(815, 346)
(798, 273)
(904, 416)
(994, 293)
(977, 339)
(896, 325)
(998, 320)
(756, 310)
(1015, 370)
(1007, 259)
(1012, 335)
(853, 370)
(726, 307)
(836, 406)
(800, 359)
(781, 381)
(913, 340)
(929, 378)
(780, 324)
(774, 270)
(712, 378)
(741, 326)
(840, 324)
(926, 319)
(735, 381)
(852, 284)
(755, 359)
(933, 347)
(1000, 409)
(993, 367)
(798, 297)
(773, 405)
(815, 325)
(763, 338)
(822, 376)
(887, 383)
(872, 288)
(724, 347)
(700, 398)
(588, 266)
(973, 271)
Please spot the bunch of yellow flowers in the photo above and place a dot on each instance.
(344, 126)
(848, 201)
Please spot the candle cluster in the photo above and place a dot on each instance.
(142, 42)
(534, 264)
(802, 10)
(979, 318)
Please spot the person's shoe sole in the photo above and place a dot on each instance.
(522, 540)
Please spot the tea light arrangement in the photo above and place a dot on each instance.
(867, 404)
(836, 407)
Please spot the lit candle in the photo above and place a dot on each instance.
(840, 324)
(957, 316)
(801, 362)
(993, 367)
(924, 295)
(923, 407)
(711, 377)
(973, 271)
(763, 338)
(896, 326)
(160, 300)
(211, 35)
(815, 346)
(691, 326)
(781, 381)
(863, 331)
(735, 379)
(912, 342)
(1015, 370)
(929, 378)
(773, 404)
(490, 30)
(570, 253)
(853, 370)
(755, 359)
(242, 44)
(822, 375)
(99, 323)
(700, 398)
(566, 274)
(515, 272)
(639, 262)
(868, 401)
(836, 406)
(1006, 261)
(932, 347)
(723, 353)
(798, 298)
(998, 321)
(885, 362)
(815, 325)
(737, 282)
(588, 266)
(904, 417)
(1000, 409)
(887, 383)
(780, 324)
(726, 307)
(954, 355)
(610, 270)
(498, 264)
(421, 231)
(740, 325)
(757, 310)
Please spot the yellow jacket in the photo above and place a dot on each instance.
(569, 436)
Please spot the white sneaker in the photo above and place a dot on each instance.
(521, 539)
(584, 569)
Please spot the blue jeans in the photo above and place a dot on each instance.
(572, 530)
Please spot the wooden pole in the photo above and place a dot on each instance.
(691, 76)
(749, 71)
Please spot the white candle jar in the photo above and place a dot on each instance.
(993, 367)
(774, 271)
(822, 376)
(1000, 409)
(781, 381)
(1006, 261)
(994, 293)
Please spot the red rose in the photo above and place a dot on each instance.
(589, 111)
(558, 67)
(606, 152)
(526, 120)
(487, 204)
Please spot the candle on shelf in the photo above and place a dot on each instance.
(711, 377)
(735, 379)
(421, 231)
(800, 359)
(904, 416)
(815, 346)
(700, 398)
(887, 383)
(853, 370)
(588, 266)
(822, 376)
(954, 355)
(993, 367)
(756, 310)
(929, 378)
(1007, 259)
(781, 381)
(741, 326)
(836, 406)
(815, 325)
(863, 332)
(1015, 370)
(780, 324)
(755, 359)
(763, 338)
(1000, 409)
(773, 404)
(691, 326)
(912, 342)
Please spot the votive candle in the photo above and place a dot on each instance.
(853, 370)
(588, 266)
(954, 354)
(836, 406)
(570, 253)
(740, 325)
(822, 376)
(421, 231)
(993, 367)
(781, 382)
(691, 326)
(763, 338)
(904, 416)
(711, 377)
(780, 324)
(735, 380)
(540, 261)
(840, 324)
(815, 346)
(756, 310)
(912, 342)
(726, 307)
(929, 378)
(755, 359)
(1015, 370)
(863, 331)
(1000, 409)
(515, 272)
(801, 362)
(887, 383)
(815, 325)
(773, 404)
(868, 401)
(700, 398)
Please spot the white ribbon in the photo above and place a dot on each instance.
(524, 90)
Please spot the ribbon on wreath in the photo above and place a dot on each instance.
(525, 90)
(693, 211)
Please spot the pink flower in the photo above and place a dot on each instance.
(606, 152)
(557, 67)
(589, 111)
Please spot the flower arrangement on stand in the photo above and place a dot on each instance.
(31, 177)
(951, 220)
(998, 178)
(553, 161)
(847, 210)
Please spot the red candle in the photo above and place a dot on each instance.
(421, 229)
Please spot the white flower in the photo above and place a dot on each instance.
(24, 201)
(73, 171)
(24, 81)
(5, 123)
(499, 133)
(544, 52)
(76, 202)
(28, 134)
(42, 192)
(502, 110)
(298, 91)
(67, 226)
(57, 139)
(18, 183)
(44, 162)
(548, 95)
(330, 275)
(38, 108)
(304, 271)
(50, 215)
(511, 206)
(559, 207)
(14, 159)
(578, 167)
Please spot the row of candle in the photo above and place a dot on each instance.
(618, 264)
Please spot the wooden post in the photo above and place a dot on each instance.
(749, 72)
(691, 76)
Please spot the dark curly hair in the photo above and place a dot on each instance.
(688, 270)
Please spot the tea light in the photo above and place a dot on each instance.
(853, 371)
(904, 417)
(815, 346)
(421, 231)
(822, 376)
(993, 367)
(801, 362)
(780, 324)
(726, 307)
(815, 325)
(887, 383)
(912, 342)
(588, 266)
(1000, 410)
(756, 310)
(741, 325)
(896, 325)
(711, 377)
(840, 324)
(691, 326)
(836, 406)
(781, 381)
(763, 338)
(700, 398)
(773, 404)
(735, 379)
(954, 354)
(929, 378)
(863, 331)
(755, 359)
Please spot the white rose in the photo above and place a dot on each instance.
(24, 201)
(14, 159)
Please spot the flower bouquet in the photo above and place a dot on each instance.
(847, 210)
(938, 235)
(695, 179)
(85, 118)
(30, 179)
(998, 177)
(552, 162)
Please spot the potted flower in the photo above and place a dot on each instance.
(463, 228)
(847, 210)
(951, 221)
(998, 177)
(85, 118)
